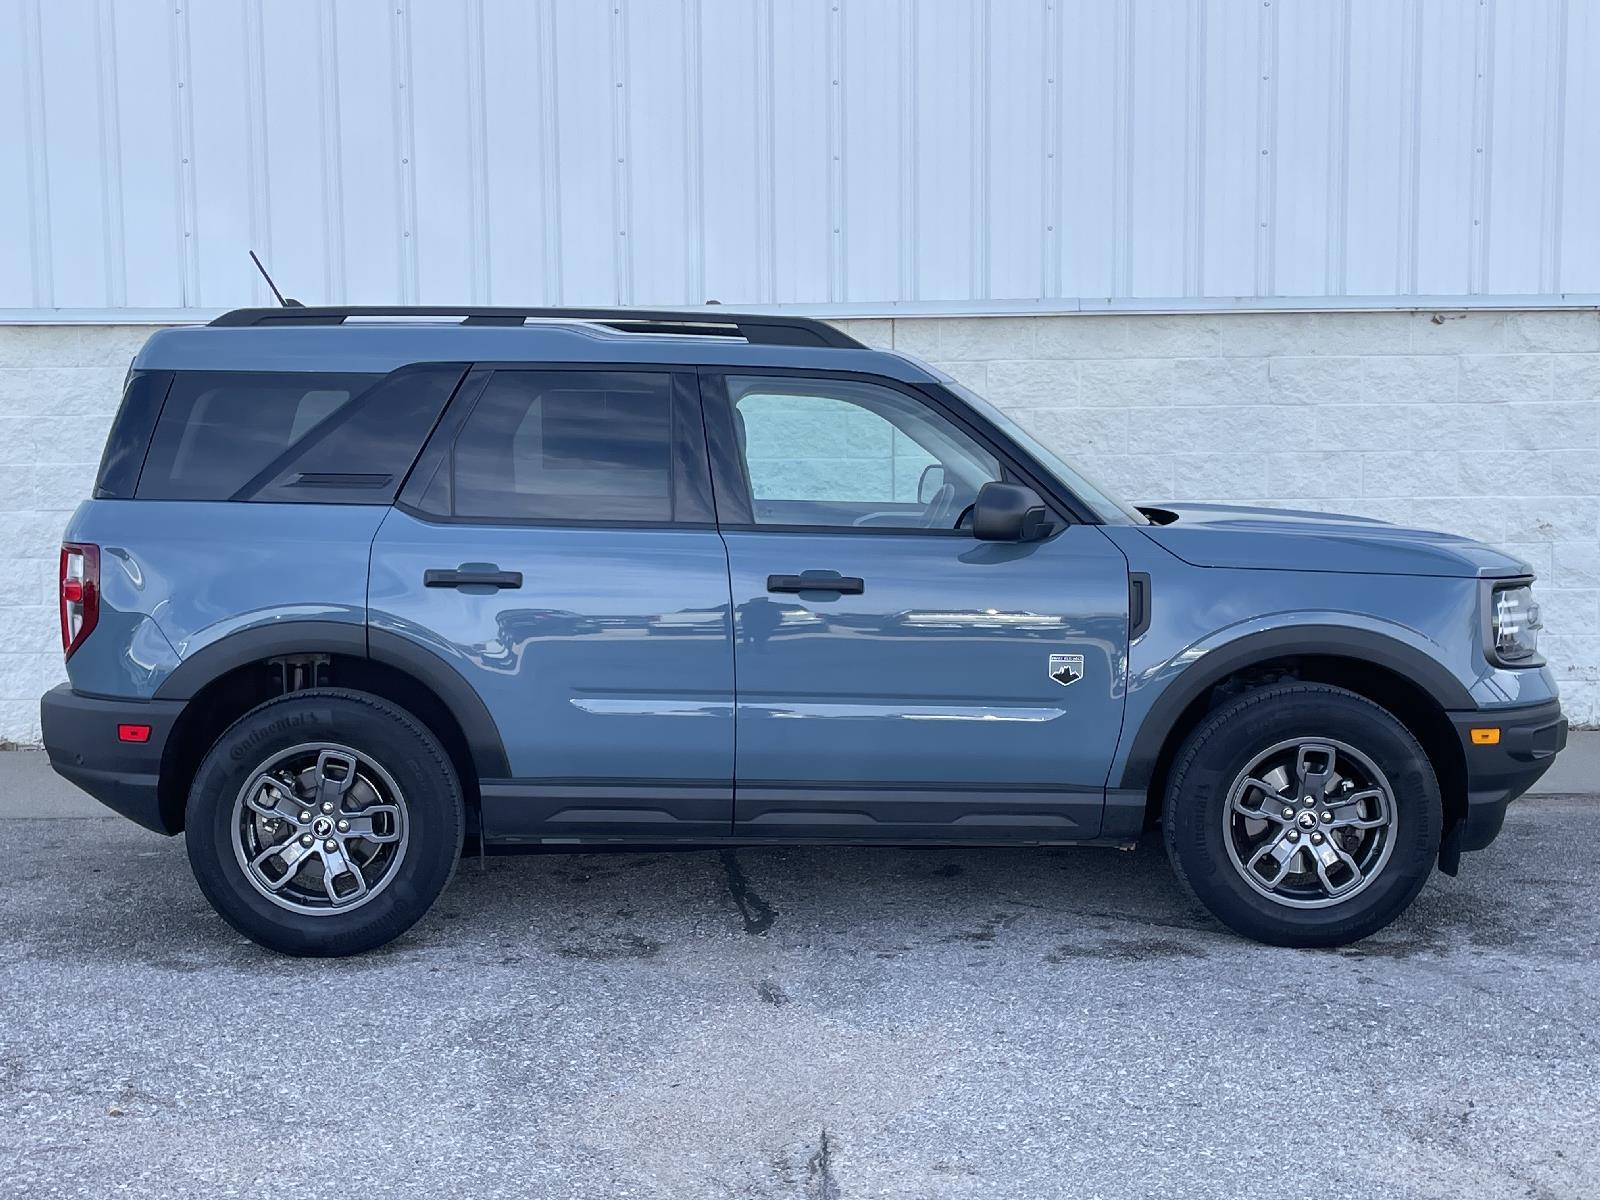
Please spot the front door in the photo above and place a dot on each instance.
(556, 544)
(896, 677)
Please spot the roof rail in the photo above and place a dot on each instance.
(763, 329)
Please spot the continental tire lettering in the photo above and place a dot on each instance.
(268, 733)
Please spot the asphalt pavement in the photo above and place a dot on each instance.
(797, 1023)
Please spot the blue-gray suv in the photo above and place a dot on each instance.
(358, 587)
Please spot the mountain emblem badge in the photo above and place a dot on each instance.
(1066, 669)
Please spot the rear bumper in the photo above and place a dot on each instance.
(80, 735)
(1530, 739)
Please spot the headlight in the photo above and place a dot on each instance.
(1514, 625)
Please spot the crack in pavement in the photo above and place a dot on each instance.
(820, 1181)
(758, 915)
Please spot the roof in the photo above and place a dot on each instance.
(381, 340)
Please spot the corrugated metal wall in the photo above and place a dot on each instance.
(955, 155)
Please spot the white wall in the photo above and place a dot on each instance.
(1143, 154)
(1484, 423)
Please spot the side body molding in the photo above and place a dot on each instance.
(342, 637)
(1323, 641)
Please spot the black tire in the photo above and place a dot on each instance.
(387, 735)
(1228, 741)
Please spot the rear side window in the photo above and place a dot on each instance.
(564, 446)
(142, 398)
(293, 437)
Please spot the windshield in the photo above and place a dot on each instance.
(1105, 505)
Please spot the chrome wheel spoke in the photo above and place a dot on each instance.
(291, 854)
(1314, 768)
(336, 771)
(1346, 810)
(337, 866)
(272, 797)
(1268, 805)
(1338, 871)
(376, 823)
(1275, 855)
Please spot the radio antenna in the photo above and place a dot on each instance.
(282, 303)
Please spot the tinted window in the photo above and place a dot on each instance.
(566, 446)
(130, 434)
(835, 452)
(219, 430)
(361, 454)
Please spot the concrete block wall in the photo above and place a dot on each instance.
(59, 388)
(1482, 423)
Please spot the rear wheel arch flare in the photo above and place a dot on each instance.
(228, 678)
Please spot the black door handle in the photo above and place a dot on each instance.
(850, 585)
(472, 575)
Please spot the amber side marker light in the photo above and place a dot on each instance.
(1485, 737)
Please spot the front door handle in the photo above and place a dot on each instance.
(472, 575)
(850, 585)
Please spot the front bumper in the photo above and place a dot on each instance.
(80, 735)
(1529, 740)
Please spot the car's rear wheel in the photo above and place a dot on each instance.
(324, 823)
(1303, 815)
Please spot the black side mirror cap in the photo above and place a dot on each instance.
(1009, 512)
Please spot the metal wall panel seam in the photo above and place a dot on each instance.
(188, 202)
(552, 285)
(694, 244)
(1339, 156)
(1194, 154)
(40, 239)
(333, 265)
(621, 167)
(112, 216)
(1483, 148)
(1555, 149)
(908, 149)
(259, 196)
(1051, 282)
(765, 166)
(838, 267)
(405, 139)
(1266, 139)
(1407, 245)
(478, 232)
(981, 16)
(1122, 154)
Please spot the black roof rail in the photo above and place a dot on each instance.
(758, 329)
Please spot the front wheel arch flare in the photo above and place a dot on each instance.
(1161, 729)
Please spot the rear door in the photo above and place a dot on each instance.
(557, 544)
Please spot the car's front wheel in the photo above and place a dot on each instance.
(1303, 815)
(324, 822)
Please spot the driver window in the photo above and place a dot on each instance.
(838, 453)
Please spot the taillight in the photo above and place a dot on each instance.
(80, 593)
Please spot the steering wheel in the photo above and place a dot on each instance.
(937, 514)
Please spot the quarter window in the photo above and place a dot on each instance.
(219, 429)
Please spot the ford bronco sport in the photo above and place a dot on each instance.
(359, 585)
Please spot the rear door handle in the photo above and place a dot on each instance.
(472, 575)
(850, 585)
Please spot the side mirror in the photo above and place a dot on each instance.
(1009, 512)
(929, 483)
